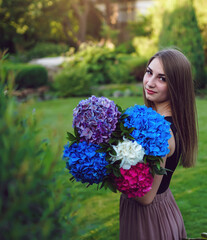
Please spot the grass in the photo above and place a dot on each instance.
(97, 212)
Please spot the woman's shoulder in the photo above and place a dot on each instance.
(172, 125)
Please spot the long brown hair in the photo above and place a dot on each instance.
(178, 73)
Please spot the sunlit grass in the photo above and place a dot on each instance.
(97, 213)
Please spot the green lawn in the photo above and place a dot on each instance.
(96, 212)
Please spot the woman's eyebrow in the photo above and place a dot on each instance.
(159, 74)
(149, 68)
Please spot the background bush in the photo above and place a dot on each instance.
(100, 64)
(73, 82)
(46, 49)
(94, 66)
(118, 90)
(35, 202)
(180, 29)
(31, 77)
(26, 75)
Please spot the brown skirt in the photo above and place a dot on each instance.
(160, 220)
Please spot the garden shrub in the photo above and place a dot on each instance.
(8, 67)
(34, 203)
(145, 47)
(138, 65)
(98, 62)
(46, 49)
(94, 66)
(126, 47)
(120, 73)
(31, 76)
(26, 75)
(180, 29)
(73, 82)
(111, 90)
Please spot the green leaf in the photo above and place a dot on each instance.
(104, 145)
(71, 137)
(123, 116)
(161, 171)
(72, 178)
(102, 184)
(71, 143)
(113, 140)
(158, 166)
(116, 172)
(100, 150)
(111, 187)
(88, 185)
(131, 129)
(130, 137)
(119, 108)
(113, 152)
(153, 158)
(76, 133)
(122, 126)
(108, 149)
(116, 134)
(168, 170)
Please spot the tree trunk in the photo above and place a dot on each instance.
(66, 26)
(82, 17)
(108, 12)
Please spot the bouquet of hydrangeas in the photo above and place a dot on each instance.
(120, 150)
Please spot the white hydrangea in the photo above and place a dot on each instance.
(129, 152)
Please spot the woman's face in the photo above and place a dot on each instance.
(155, 85)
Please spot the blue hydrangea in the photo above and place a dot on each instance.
(84, 163)
(151, 131)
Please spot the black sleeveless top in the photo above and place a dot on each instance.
(171, 162)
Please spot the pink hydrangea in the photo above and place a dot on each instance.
(136, 181)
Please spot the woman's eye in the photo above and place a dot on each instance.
(163, 79)
(148, 71)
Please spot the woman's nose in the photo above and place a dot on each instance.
(151, 81)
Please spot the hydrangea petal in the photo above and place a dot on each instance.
(151, 131)
(136, 181)
(95, 119)
(84, 163)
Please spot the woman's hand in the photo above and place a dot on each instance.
(149, 197)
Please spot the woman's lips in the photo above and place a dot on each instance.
(150, 91)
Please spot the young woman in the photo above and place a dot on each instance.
(168, 89)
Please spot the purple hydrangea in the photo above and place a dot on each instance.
(95, 119)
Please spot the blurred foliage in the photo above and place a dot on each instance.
(72, 82)
(109, 33)
(46, 49)
(142, 26)
(201, 13)
(118, 90)
(181, 30)
(25, 75)
(34, 202)
(126, 47)
(26, 22)
(145, 47)
(94, 66)
(31, 77)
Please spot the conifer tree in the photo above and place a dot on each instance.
(180, 29)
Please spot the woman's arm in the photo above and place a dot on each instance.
(148, 198)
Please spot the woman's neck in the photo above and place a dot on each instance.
(163, 108)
